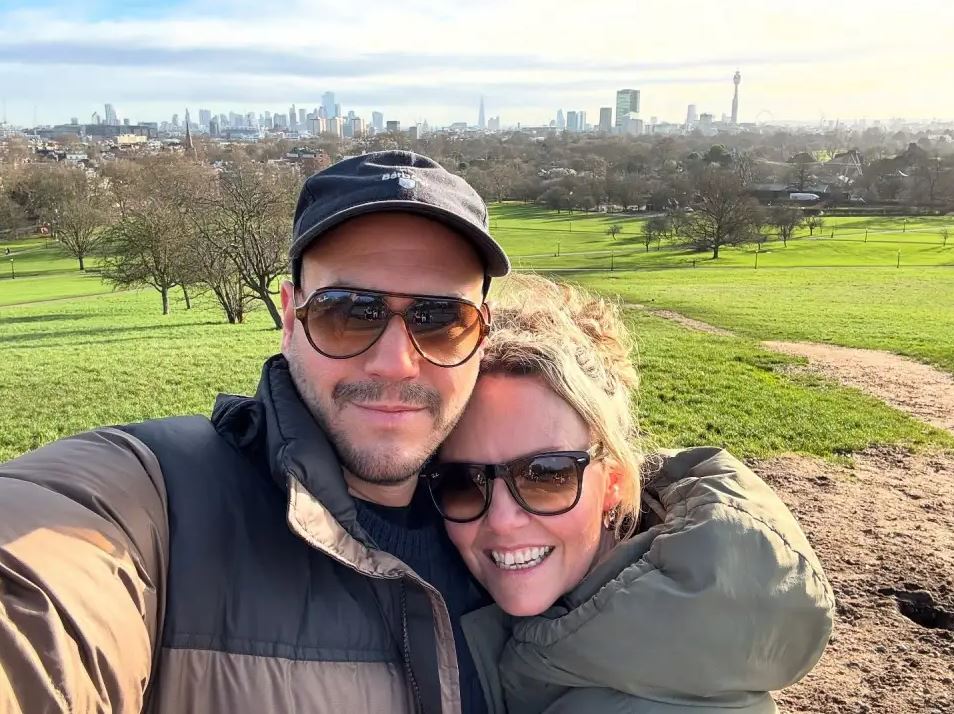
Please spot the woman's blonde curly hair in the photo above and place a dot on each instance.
(577, 342)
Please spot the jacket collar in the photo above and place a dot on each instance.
(279, 426)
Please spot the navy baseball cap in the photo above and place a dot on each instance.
(392, 181)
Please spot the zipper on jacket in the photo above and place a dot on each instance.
(406, 652)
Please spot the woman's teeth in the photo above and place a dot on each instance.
(520, 559)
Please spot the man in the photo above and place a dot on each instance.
(232, 565)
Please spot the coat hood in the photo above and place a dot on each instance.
(719, 602)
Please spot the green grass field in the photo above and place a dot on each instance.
(103, 358)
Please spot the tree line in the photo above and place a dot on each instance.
(169, 223)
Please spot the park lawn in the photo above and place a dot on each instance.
(907, 311)
(542, 239)
(72, 365)
(50, 287)
(698, 388)
(38, 255)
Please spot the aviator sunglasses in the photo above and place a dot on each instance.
(544, 484)
(344, 322)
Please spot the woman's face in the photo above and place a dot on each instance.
(506, 418)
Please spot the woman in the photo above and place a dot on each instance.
(701, 596)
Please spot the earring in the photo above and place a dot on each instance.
(610, 517)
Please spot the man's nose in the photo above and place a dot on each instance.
(393, 357)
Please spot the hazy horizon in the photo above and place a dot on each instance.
(424, 60)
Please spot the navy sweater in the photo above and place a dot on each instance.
(416, 535)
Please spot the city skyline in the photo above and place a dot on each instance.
(150, 62)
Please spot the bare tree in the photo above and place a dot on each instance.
(945, 234)
(814, 223)
(255, 204)
(725, 215)
(614, 230)
(555, 197)
(12, 215)
(81, 220)
(145, 248)
(801, 172)
(785, 219)
(40, 189)
(148, 245)
(656, 229)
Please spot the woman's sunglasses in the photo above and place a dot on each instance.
(545, 484)
(344, 322)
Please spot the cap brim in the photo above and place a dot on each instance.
(495, 260)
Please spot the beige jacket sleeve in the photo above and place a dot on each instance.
(83, 561)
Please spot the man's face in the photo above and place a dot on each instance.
(387, 409)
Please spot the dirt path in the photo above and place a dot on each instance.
(884, 530)
(918, 389)
(923, 391)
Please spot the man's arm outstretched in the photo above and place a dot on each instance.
(83, 561)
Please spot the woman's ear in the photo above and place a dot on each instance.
(614, 484)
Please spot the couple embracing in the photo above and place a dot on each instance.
(427, 506)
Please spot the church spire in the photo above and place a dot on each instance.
(188, 145)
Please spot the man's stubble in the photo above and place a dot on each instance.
(363, 460)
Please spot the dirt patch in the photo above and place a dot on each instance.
(697, 325)
(923, 391)
(884, 530)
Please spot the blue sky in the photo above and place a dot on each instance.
(432, 59)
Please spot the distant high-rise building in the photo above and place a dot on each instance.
(481, 119)
(606, 119)
(250, 120)
(328, 104)
(581, 120)
(627, 100)
(377, 121)
(692, 116)
(630, 123)
(737, 80)
(493, 124)
(223, 121)
(560, 120)
(268, 120)
(292, 117)
(213, 127)
(571, 121)
(95, 118)
(357, 127)
(317, 124)
(337, 109)
(205, 116)
(175, 121)
(334, 127)
(74, 121)
(393, 126)
(111, 118)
